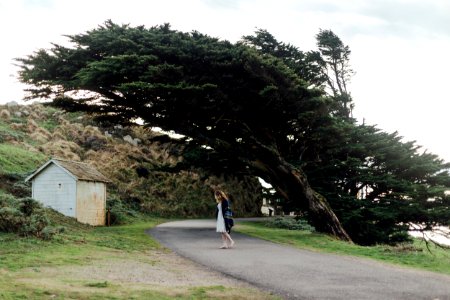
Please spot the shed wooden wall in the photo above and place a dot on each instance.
(91, 202)
(56, 189)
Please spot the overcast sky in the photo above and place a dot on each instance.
(400, 48)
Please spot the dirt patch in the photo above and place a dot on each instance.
(160, 270)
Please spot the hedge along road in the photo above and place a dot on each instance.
(298, 274)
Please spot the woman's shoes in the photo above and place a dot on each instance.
(225, 246)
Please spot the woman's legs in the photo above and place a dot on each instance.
(224, 240)
(228, 237)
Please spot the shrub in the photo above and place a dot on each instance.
(7, 200)
(11, 219)
(28, 206)
(34, 225)
(21, 189)
(95, 143)
(119, 212)
(49, 232)
(25, 217)
(290, 223)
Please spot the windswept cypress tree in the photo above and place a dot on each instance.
(258, 107)
(379, 186)
(222, 95)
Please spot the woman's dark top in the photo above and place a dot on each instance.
(227, 215)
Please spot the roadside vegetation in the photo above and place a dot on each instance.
(415, 254)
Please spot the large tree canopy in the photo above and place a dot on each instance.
(262, 107)
(223, 95)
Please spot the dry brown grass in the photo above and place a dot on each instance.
(5, 114)
(31, 124)
(17, 126)
(38, 112)
(91, 130)
(57, 135)
(71, 131)
(62, 149)
(39, 137)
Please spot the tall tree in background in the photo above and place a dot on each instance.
(226, 96)
(334, 64)
(328, 67)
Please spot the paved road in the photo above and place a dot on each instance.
(298, 274)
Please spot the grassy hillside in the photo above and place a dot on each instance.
(15, 159)
(130, 157)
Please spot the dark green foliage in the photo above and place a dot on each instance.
(14, 184)
(49, 232)
(377, 184)
(28, 206)
(304, 64)
(24, 216)
(334, 56)
(103, 284)
(21, 189)
(95, 143)
(120, 212)
(289, 223)
(326, 68)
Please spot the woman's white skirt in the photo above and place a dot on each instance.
(220, 226)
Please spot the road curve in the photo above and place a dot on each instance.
(298, 274)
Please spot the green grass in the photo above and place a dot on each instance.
(6, 133)
(415, 255)
(103, 284)
(78, 246)
(49, 124)
(14, 159)
(197, 293)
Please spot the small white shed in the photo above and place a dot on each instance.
(72, 188)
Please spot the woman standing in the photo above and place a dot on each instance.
(224, 219)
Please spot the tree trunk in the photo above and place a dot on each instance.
(292, 184)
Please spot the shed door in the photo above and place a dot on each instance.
(91, 202)
(64, 192)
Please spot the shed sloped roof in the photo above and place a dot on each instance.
(81, 171)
